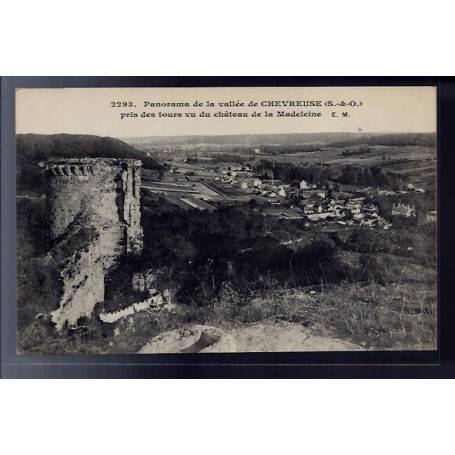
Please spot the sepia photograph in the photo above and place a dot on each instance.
(226, 220)
(226, 227)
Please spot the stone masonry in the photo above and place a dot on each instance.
(94, 208)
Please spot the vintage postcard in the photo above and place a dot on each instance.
(237, 219)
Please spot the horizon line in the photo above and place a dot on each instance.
(233, 134)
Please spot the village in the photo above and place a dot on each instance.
(219, 238)
(203, 186)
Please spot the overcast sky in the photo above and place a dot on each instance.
(89, 111)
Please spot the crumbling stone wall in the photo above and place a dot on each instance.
(94, 208)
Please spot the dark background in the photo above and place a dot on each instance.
(440, 364)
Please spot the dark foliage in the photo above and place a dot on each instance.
(201, 251)
(290, 173)
(322, 173)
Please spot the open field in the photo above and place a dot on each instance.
(405, 155)
(198, 191)
(417, 162)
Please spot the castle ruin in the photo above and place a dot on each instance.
(94, 208)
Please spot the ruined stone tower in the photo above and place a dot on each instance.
(94, 209)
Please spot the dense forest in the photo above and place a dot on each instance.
(196, 253)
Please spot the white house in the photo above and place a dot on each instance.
(406, 210)
(303, 185)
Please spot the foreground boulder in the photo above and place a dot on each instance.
(265, 336)
(197, 338)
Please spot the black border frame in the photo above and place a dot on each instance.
(384, 364)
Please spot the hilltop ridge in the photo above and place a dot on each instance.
(328, 139)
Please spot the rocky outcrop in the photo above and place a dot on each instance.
(197, 338)
(264, 336)
(94, 207)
